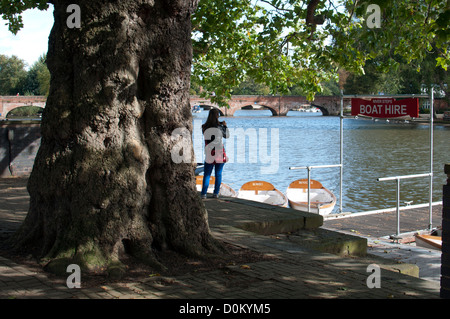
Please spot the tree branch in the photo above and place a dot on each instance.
(311, 19)
(312, 5)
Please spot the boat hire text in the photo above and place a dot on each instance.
(386, 107)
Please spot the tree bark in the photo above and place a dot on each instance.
(104, 182)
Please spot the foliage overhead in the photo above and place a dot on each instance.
(284, 43)
(11, 10)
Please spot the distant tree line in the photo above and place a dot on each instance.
(407, 79)
(16, 79)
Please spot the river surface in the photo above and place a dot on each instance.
(264, 147)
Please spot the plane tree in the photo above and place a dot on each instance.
(105, 182)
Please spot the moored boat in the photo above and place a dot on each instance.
(264, 192)
(429, 241)
(225, 189)
(321, 201)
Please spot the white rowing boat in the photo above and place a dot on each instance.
(225, 190)
(429, 241)
(264, 192)
(321, 201)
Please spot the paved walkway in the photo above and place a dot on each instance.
(298, 272)
(428, 261)
(378, 226)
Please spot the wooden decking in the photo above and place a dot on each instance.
(382, 224)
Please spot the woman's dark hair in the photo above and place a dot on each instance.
(212, 120)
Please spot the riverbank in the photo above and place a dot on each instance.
(289, 269)
(422, 119)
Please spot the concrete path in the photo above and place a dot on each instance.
(427, 260)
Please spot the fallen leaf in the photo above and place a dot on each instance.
(245, 267)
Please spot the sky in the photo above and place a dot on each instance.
(32, 40)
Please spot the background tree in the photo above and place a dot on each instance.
(374, 81)
(37, 81)
(15, 79)
(250, 87)
(406, 78)
(431, 76)
(12, 75)
(30, 85)
(120, 87)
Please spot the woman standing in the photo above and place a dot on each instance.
(215, 156)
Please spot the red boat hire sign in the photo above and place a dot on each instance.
(386, 107)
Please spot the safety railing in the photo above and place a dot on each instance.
(398, 179)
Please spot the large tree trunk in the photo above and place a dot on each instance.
(103, 180)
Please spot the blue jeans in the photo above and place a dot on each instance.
(208, 168)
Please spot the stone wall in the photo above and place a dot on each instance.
(19, 143)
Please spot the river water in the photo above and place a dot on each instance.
(263, 147)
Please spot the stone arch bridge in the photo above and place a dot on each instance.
(9, 103)
(278, 105)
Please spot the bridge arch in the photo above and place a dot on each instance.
(38, 110)
(259, 107)
(322, 109)
(271, 109)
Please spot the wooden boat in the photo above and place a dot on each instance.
(429, 241)
(225, 190)
(264, 192)
(322, 201)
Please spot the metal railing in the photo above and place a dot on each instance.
(398, 179)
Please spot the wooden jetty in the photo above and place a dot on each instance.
(378, 224)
